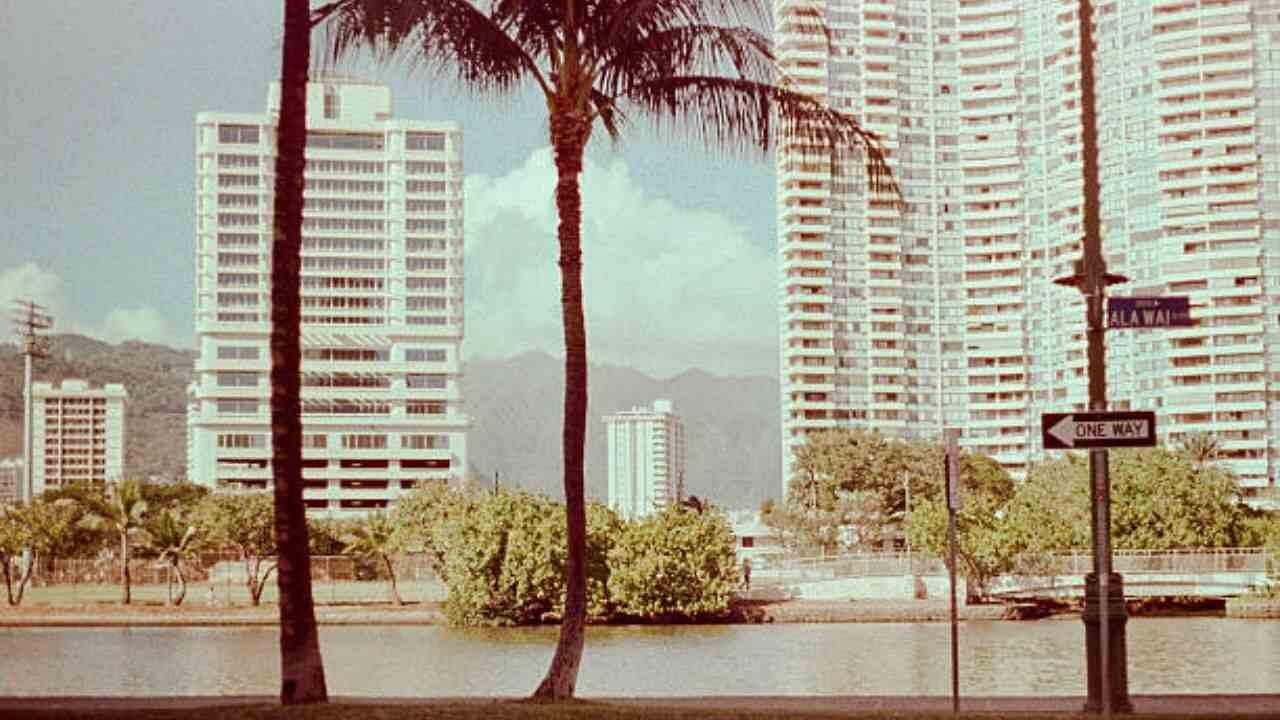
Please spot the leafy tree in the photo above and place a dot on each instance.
(375, 538)
(423, 516)
(44, 528)
(674, 564)
(121, 512)
(244, 522)
(504, 560)
(1164, 500)
(172, 540)
(859, 479)
(82, 540)
(182, 497)
(324, 536)
(302, 679)
(983, 549)
(676, 62)
(15, 537)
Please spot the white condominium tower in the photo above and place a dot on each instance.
(946, 314)
(77, 434)
(646, 459)
(382, 313)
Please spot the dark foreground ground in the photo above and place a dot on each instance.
(753, 708)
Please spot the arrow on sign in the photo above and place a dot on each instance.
(1065, 431)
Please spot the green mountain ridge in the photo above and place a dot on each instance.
(731, 423)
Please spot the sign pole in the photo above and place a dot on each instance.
(1092, 279)
(954, 503)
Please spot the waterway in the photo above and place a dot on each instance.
(1166, 655)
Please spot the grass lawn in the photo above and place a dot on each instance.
(513, 710)
(487, 709)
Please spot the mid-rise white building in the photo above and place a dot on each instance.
(77, 434)
(946, 314)
(382, 300)
(646, 459)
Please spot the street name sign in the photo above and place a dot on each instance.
(1124, 313)
(1073, 431)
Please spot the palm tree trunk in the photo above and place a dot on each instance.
(391, 573)
(569, 132)
(302, 669)
(124, 565)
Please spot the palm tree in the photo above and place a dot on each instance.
(121, 512)
(1201, 447)
(172, 540)
(697, 64)
(302, 668)
(375, 538)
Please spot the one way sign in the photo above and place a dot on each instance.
(1067, 431)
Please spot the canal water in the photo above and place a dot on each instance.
(1166, 655)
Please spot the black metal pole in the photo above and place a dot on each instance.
(1102, 617)
(953, 506)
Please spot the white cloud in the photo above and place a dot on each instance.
(29, 282)
(665, 287)
(140, 323)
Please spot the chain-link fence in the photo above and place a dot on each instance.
(221, 579)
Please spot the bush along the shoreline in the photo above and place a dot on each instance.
(501, 556)
(673, 566)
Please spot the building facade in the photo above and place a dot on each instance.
(11, 479)
(946, 314)
(78, 434)
(646, 459)
(382, 300)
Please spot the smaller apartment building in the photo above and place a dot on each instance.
(646, 459)
(77, 434)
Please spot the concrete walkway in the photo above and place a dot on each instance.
(1235, 705)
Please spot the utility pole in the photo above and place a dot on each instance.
(29, 319)
(1104, 615)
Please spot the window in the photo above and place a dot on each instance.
(345, 141)
(237, 379)
(364, 441)
(242, 440)
(238, 134)
(433, 382)
(318, 440)
(425, 407)
(424, 355)
(238, 352)
(331, 105)
(424, 442)
(424, 141)
(238, 407)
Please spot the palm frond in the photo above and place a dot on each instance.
(687, 50)
(738, 115)
(486, 53)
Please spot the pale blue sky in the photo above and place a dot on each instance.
(98, 103)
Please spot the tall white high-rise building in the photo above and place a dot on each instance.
(382, 300)
(646, 459)
(77, 434)
(946, 314)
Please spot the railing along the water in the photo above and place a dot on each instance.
(1067, 562)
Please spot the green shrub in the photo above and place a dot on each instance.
(674, 565)
(504, 560)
